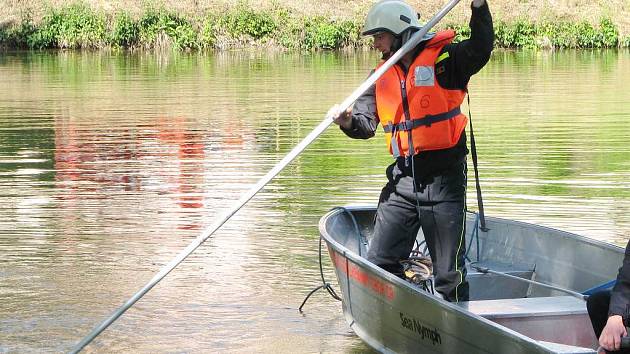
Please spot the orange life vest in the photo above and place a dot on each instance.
(415, 110)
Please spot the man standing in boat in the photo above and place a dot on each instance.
(417, 102)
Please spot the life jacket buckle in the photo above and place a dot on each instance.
(394, 141)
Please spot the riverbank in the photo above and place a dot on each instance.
(221, 25)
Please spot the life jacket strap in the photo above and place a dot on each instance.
(424, 121)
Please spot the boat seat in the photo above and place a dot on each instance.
(526, 307)
(554, 319)
(486, 286)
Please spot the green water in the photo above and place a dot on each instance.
(110, 164)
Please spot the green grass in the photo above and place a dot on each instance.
(79, 26)
(75, 26)
(524, 34)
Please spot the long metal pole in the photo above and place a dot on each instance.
(411, 43)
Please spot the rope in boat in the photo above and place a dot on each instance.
(418, 270)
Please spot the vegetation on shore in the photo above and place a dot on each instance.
(80, 26)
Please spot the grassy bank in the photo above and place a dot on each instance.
(84, 25)
(79, 26)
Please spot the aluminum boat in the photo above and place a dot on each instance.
(526, 285)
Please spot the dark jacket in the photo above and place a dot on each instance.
(464, 59)
(620, 297)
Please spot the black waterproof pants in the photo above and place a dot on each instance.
(597, 306)
(438, 206)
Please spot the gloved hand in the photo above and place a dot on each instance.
(339, 117)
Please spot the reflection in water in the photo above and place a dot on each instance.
(557, 140)
(111, 163)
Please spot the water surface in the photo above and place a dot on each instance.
(110, 164)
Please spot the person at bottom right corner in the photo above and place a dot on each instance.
(609, 310)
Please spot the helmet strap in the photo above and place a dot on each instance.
(406, 35)
(395, 45)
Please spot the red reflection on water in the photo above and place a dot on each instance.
(94, 161)
(190, 154)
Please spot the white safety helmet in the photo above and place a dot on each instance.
(394, 16)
